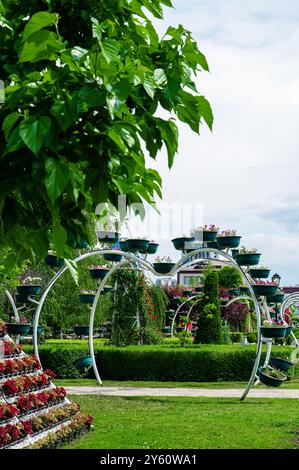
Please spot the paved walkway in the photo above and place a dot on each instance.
(180, 392)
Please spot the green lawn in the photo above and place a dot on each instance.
(179, 422)
(292, 384)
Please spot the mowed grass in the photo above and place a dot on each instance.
(181, 422)
(292, 384)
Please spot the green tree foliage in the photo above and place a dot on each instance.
(229, 277)
(83, 84)
(209, 319)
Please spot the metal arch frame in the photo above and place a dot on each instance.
(150, 268)
(178, 310)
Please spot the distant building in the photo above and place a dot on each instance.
(195, 271)
(291, 289)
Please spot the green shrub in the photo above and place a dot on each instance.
(236, 336)
(229, 277)
(202, 363)
(209, 319)
(252, 337)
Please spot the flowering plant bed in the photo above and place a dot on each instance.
(11, 433)
(79, 425)
(19, 365)
(7, 412)
(25, 383)
(35, 401)
(47, 420)
(11, 349)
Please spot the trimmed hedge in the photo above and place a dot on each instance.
(200, 363)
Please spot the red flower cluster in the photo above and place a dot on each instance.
(26, 383)
(33, 401)
(24, 364)
(50, 418)
(11, 433)
(12, 349)
(89, 420)
(7, 411)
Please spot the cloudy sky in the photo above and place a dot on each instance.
(246, 173)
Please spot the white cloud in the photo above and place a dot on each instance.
(245, 173)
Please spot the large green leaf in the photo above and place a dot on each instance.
(41, 45)
(33, 130)
(110, 49)
(39, 21)
(58, 175)
(9, 123)
(59, 236)
(64, 113)
(206, 111)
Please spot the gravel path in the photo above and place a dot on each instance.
(180, 392)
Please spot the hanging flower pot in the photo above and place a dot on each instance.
(170, 314)
(271, 377)
(138, 244)
(29, 290)
(228, 241)
(81, 330)
(53, 261)
(106, 289)
(86, 298)
(98, 272)
(276, 299)
(244, 290)
(123, 244)
(152, 248)
(115, 257)
(187, 293)
(23, 299)
(166, 330)
(18, 328)
(247, 259)
(83, 363)
(206, 233)
(108, 237)
(182, 242)
(163, 268)
(265, 289)
(273, 332)
(280, 364)
(259, 273)
(234, 252)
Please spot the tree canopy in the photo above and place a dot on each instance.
(84, 86)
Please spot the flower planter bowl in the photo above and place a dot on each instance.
(234, 252)
(82, 363)
(276, 299)
(182, 243)
(213, 244)
(108, 237)
(124, 245)
(86, 298)
(275, 332)
(54, 262)
(163, 268)
(166, 330)
(264, 289)
(106, 289)
(234, 292)
(18, 328)
(280, 364)
(99, 273)
(23, 299)
(152, 248)
(137, 244)
(270, 381)
(244, 290)
(259, 273)
(248, 259)
(29, 290)
(81, 330)
(39, 330)
(116, 258)
(209, 236)
(231, 241)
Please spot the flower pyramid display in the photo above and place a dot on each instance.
(34, 413)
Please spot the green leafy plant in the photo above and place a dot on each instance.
(83, 85)
(229, 277)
